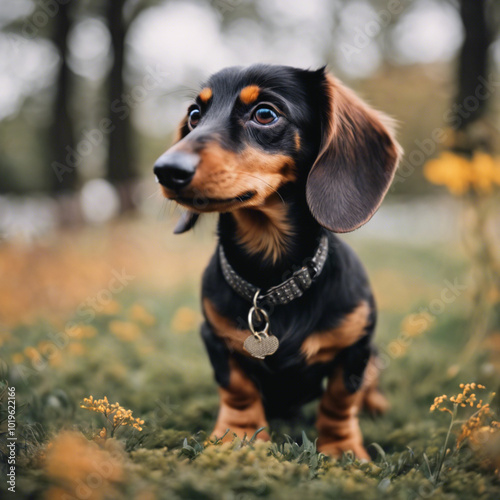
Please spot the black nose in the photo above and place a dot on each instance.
(176, 170)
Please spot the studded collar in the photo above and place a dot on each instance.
(290, 289)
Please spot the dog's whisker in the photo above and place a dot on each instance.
(186, 92)
(156, 192)
(161, 211)
(174, 209)
(267, 184)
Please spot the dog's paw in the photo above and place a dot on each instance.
(337, 448)
(375, 403)
(240, 432)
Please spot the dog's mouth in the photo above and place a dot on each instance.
(203, 203)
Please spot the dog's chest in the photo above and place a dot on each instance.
(230, 322)
(306, 334)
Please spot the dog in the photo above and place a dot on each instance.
(287, 157)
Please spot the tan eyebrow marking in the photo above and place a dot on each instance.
(297, 141)
(249, 94)
(206, 94)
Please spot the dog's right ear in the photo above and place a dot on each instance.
(188, 219)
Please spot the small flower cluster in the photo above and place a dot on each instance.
(461, 174)
(438, 401)
(467, 397)
(463, 399)
(478, 426)
(116, 415)
(480, 422)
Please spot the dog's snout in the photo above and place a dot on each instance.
(176, 170)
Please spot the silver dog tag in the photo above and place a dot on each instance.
(261, 345)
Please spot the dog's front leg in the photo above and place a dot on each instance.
(337, 422)
(241, 408)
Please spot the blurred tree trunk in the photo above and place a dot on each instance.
(63, 160)
(120, 169)
(473, 62)
(474, 134)
(64, 175)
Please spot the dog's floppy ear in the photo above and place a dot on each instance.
(356, 162)
(188, 219)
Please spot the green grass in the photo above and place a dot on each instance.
(164, 376)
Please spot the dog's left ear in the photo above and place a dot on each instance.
(357, 159)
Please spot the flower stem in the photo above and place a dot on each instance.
(445, 448)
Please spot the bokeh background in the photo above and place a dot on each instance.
(97, 296)
(68, 66)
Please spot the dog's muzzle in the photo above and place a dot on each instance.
(175, 170)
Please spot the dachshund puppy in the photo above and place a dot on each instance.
(288, 157)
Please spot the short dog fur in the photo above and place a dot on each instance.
(286, 155)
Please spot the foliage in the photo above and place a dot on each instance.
(162, 373)
(306, 453)
(472, 173)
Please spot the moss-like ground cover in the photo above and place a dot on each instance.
(140, 347)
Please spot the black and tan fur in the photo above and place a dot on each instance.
(323, 165)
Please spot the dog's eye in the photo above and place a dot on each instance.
(194, 117)
(265, 116)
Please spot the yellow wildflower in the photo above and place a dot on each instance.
(56, 358)
(32, 354)
(450, 170)
(437, 403)
(477, 423)
(185, 320)
(140, 314)
(110, 308)
(116, 415)
(484, 171)
(76, 348)
(18, 357)
(82, 331)
(128, 332)
(459, 173)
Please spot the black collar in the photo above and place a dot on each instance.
(292, 288)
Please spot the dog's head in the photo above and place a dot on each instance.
(252, 130)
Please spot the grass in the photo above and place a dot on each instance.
(141, 348)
